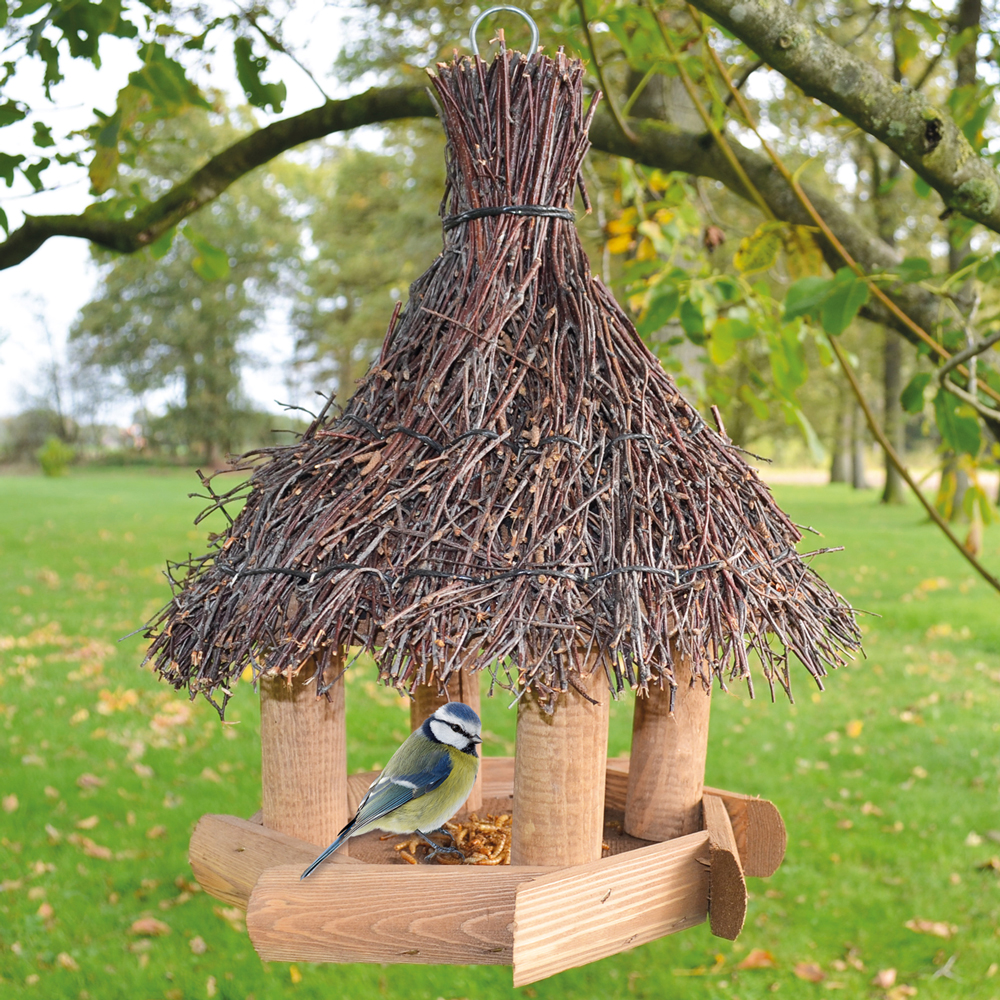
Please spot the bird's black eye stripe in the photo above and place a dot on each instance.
(457, 728)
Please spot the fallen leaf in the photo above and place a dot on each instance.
(919, 772)
(45, 911)
(294, 974)
(936, 927)
(155, 832)
(149, 927)
(54, 835)
(143, 770)
(90, 781)
(870, 809)
(208, 774)
(211, 987)
(993, 864)
(10, 885)
(884, 978)
(51, 793)
(973, 839)
(758, 958)
(898, 992)
(854, 728)
(197, 945)
(66, 961)
(233, 916)
(91, 849)
(36, 892)
(9, 803)
(87, 824)
(809, 971)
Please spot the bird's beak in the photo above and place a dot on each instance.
(477, 739)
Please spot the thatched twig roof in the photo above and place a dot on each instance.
(516, 479)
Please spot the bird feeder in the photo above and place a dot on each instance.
(516, 490)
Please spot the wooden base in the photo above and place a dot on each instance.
(372, 907)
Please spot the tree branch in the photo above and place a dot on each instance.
(656, 145)
(669, 148)
(206, 184)
(921, 134)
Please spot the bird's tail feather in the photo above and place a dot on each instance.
(341, 837)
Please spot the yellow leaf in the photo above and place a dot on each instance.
(620, 244)
(66, 961)
(854, 728)
(802, 254)
(87, 824)
(294, 974)
(759, 251)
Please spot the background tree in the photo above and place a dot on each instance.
(178, 315)
(868, 163)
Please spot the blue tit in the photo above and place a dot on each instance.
(425, 782)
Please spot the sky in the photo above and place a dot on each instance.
(45, 292)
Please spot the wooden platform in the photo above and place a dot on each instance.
(370, 906)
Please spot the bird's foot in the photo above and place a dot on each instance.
(437, 849)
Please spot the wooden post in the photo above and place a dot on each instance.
(559, 775)
(667, 767)
(462, 686)
(303, 743)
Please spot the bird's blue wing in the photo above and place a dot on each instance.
(389, 793)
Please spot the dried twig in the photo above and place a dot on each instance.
(516, 475)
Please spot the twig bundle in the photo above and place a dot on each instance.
(516, 480)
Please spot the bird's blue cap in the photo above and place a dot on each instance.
(461, 713)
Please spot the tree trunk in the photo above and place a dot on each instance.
(858, 480)
(840, 461)
(894, 491)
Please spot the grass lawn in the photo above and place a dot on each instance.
(889, 782)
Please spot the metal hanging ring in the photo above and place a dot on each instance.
(493, 10)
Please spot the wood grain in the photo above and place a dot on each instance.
(757, 824)
(669, 749)
(727, 896)
(462, 686)
(578, 915)
(374, 913)
(759, 831)
(228, 854)
(559, 766)
(303, 742)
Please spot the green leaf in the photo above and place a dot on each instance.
(989, 269)
(914, 269)
(959, 431)
(11, 112)
(248, 70)
(796, 415)
(788, 361)
(43, 136)
(165, 80)
(907, 47)
(663, 302)
(212, 262)
(693, 322)
(3, 222)
(3, 21)
(752, 400)
(8, 163)
(912, 397)
(848, 294)
(160, 247)
(920, 187)
(34, 172)
(722, 343)
(759, 251)
(806, 296)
